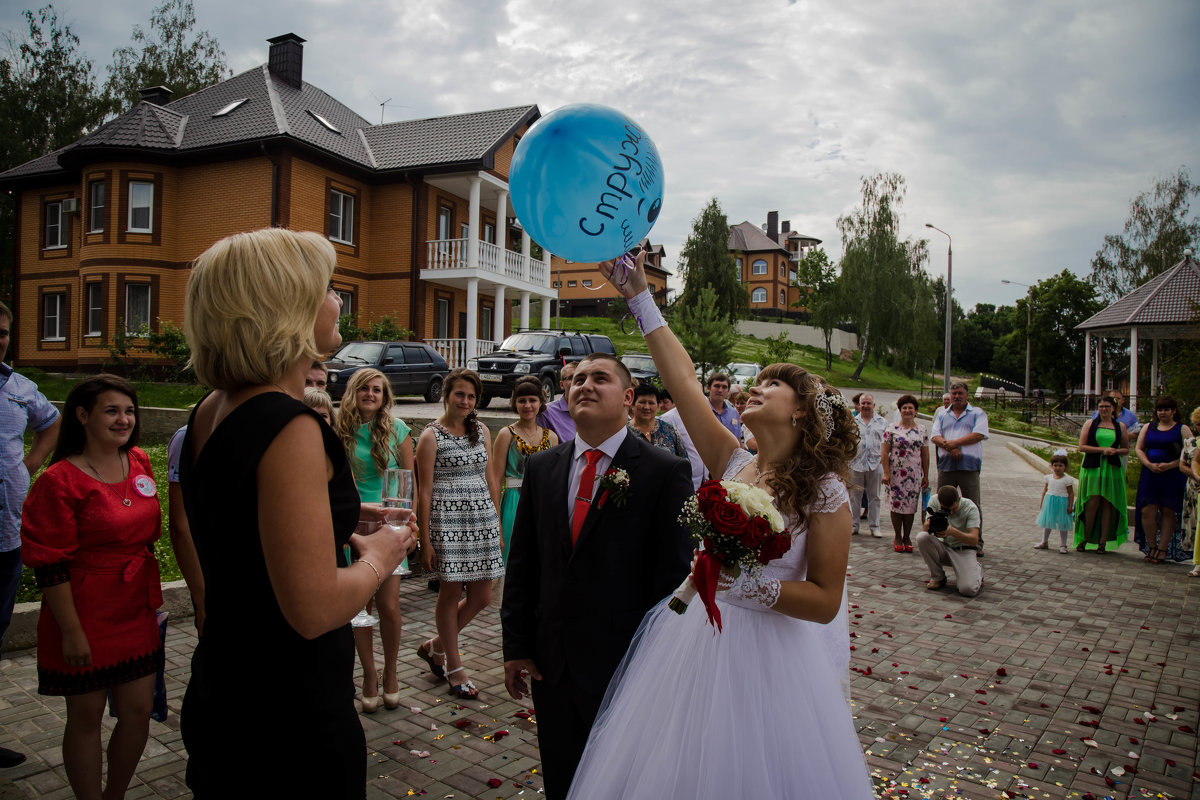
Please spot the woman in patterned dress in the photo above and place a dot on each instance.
(1189, 464)
(905, 457)
(646, 423)
(460, 542)
(88, 532)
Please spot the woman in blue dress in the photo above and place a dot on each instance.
(1161, 487)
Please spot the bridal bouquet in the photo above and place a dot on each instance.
(738, 528)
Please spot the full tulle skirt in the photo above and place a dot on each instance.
(758, 711)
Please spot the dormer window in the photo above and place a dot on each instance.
(324, 122)
(230, 108)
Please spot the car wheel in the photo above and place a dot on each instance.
(548, 387)
(433, 392)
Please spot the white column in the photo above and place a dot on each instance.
(502, 223)
(1154, 371)
(526, 246)
(525, 301)
(1133, 369)
(472, 316)
(1099, 364)
(1087, 370)
(473, 233)
(498, 316)
(545, 312)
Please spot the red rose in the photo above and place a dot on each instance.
(774, 547)
(711, 494)
(728, 518)
(756, 532)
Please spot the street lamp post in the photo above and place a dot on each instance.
(1028, 328)
(949, 302)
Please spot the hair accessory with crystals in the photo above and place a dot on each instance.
(826, 403)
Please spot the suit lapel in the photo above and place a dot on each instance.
(561, 529)
(627, 459)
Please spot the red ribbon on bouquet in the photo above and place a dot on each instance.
(704, 576)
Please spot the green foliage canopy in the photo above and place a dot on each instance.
(705, 261)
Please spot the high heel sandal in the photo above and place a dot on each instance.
(369, 704)
(1195, 573)
(427, 654)
(463, 691)
(391, 699)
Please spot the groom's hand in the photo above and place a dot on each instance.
(514, 676)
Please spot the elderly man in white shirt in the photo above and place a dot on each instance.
(866, 470)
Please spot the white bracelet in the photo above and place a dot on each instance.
(646, 312)
(378, 577)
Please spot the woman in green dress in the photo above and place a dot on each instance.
(513, 445)
(1100, 514)
(375, 442)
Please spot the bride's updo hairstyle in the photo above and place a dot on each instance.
(251, 306)
(796, 482)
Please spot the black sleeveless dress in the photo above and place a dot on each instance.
(267, 713)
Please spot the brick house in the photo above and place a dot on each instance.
(766, 260)
(418, 212)
(584, 292)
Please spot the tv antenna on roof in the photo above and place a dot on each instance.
(383, 104)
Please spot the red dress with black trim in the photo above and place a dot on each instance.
(76, 528)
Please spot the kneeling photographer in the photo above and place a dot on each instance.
(950, 538)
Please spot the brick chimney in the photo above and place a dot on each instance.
(158, 95)
(773, 225)
(286, 61)
(787, 227)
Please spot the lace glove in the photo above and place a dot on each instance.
(750, 585)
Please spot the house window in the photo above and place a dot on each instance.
(53, 325)
(558, 284)
(489, 232)
(782, 268)
(141, 207)
(56, 226)
(485, 323)
(341, 217)
(782, 298)
(96, 207)
(464, 230)
(570, 284)
(347, 299)
(587, 282)
(442, 317)
(759, 267)
(651, 287)
(137, 309)
(444, 217)
(759, 295)
(739, 265)
(95, 308)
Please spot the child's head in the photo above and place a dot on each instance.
(1059, 464)
(321, 403)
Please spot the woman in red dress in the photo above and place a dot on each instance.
(88, 531)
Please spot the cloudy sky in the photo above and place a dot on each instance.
(1022, 128)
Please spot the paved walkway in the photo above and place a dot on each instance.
(1066, 678)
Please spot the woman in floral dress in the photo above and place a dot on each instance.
(905, 457)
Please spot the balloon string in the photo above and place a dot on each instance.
(624, 262)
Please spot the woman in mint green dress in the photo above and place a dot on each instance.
(375, 442)
(513, 445)
(1100, 513)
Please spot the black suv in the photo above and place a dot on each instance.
(410, 367)
(541, 353)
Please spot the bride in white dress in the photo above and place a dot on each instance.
(760, 710)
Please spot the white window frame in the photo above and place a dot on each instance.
(782, 298)
(587, 281)
(341, 230)
(444, 217)
(489, 233)
(347, 299)
(758, 295)
(132, 330)
(54, 211)
(94, 297)
(441, 317)
(55, 318)
(134, 206)
(96, 212)
(570, 284)
(485, 322)
(759, 267)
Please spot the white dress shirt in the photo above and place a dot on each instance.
(608, 447)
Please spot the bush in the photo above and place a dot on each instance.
(779, 350)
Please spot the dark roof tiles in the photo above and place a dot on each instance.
(747, 237)
(1166, 299)
(442, 140)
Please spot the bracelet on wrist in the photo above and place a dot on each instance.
(378, 577)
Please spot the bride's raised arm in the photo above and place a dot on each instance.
(713, 440)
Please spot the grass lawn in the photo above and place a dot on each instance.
(28, 590)
(150, 393)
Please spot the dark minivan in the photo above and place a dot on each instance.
(410, 367)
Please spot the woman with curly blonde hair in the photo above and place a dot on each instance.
(376, 441)
(782, 656)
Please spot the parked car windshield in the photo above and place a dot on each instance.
(744, 370)
(643, 363)
(359, 353)
(537, 342)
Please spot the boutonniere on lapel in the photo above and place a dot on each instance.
(614, 482)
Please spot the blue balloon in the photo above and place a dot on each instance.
(586, 182)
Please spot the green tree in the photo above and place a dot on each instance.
(705, 332)
(170, 55)
(817, 279)
(881, 276)
(1060, 303)
(705, 260)
(779, 350)
(1159, 228)
(48, 99)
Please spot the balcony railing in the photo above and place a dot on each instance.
(455, 350)
(452, 254)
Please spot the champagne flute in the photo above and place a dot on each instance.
(398, 493)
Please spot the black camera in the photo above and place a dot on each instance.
(939, 519)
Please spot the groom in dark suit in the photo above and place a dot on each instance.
(588, 558)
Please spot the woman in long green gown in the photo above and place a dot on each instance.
(1100, 514)
(514, 444)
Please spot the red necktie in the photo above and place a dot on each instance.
(583, 498)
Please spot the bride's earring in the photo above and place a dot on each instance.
(793, 422)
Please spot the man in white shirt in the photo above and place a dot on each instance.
(866, 470)
(694, 461)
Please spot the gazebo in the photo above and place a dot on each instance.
(1161, 308)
